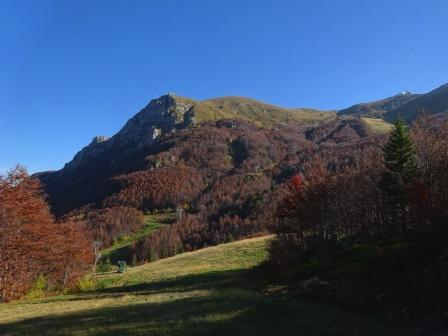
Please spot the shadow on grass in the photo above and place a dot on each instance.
(243, 279)
(231, 306)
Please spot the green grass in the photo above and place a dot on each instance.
(213, 291)
(121, 250)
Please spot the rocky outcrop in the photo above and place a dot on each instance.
(96, 147)
(160, 116)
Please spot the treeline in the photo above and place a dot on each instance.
(32, 246)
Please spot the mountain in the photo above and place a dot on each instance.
(190, 145)
(377, 109)
(170, 113)
(406, 106)
(434, 102)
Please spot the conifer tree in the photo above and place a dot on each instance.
(399, 153)
(400, 164)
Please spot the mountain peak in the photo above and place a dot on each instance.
(404, 93)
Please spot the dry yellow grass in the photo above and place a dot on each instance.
(378, 126)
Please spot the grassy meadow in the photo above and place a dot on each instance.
(214, 291)
(379, 126)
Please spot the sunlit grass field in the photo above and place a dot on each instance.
(214, 291)
(378, 126)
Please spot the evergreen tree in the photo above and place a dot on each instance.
(400, 163)
(399, 153)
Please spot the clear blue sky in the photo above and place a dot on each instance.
(70, 70)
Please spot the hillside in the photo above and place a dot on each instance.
(208, 292)
(226, 175)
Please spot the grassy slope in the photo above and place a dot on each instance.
(261, 114)
(207, 292)
(120, 250)
(266, 115)
(378, 126)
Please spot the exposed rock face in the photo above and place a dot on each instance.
(96, 147)
(163, 114)
(160, 116)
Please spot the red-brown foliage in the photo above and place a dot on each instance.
(158, 188)
(108, 224)
(229, 175)
(325, 207)
(31, 243)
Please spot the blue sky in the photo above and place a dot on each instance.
(70, 70)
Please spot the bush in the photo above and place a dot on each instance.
(38, 289)
(86, 284)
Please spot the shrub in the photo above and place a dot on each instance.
(38, 289)
(86, 284)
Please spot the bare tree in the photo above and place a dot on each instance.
(97, 253)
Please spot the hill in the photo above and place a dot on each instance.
(212, 291)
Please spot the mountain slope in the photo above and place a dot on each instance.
(192, 158)
(227, 174)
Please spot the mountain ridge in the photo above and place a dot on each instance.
(171, 112)
(406, 106)
(433, 102)
(378, 108)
